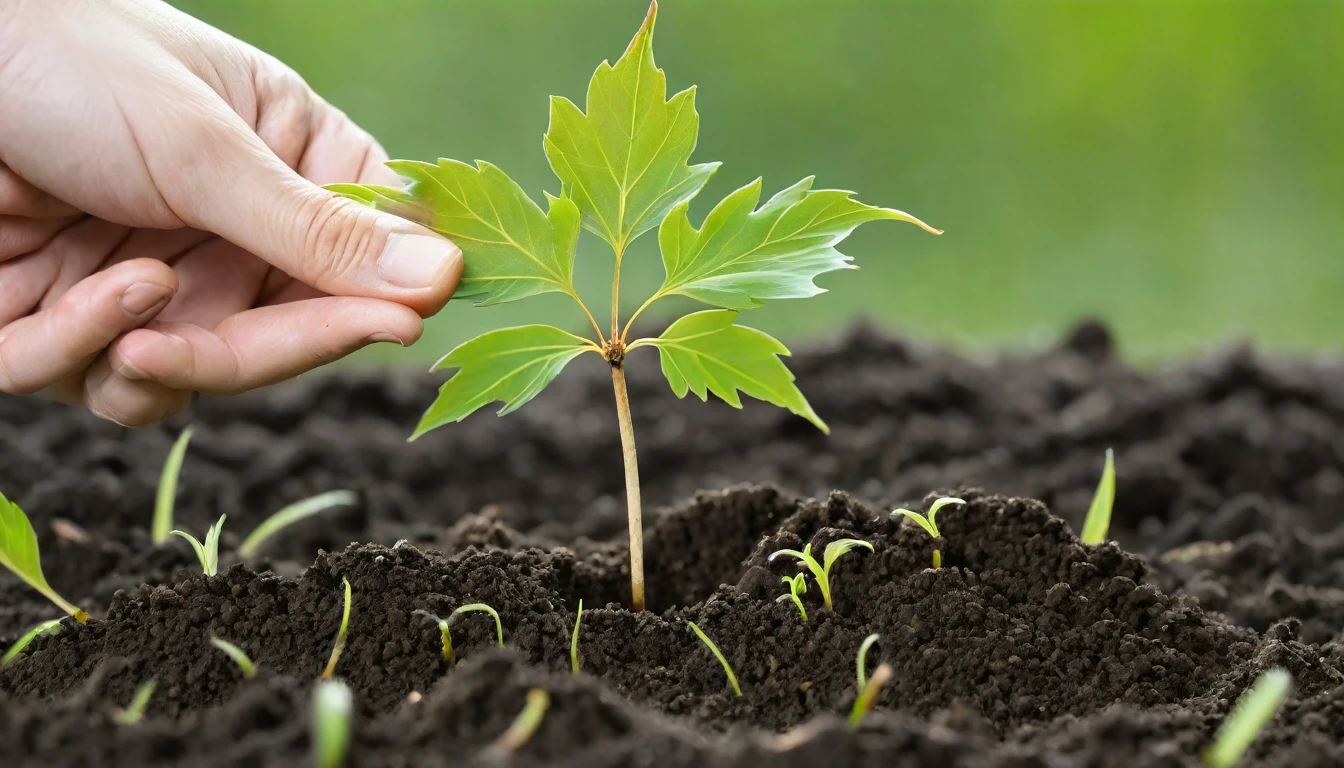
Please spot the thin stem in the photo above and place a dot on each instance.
(629, 323)
(631, 490)
(616, 298)
(574, 295)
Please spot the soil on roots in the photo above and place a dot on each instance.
(1025, 649)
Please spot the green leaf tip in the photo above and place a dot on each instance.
(134, 712)
(166, 495)
(723, 660)
(483, 608)
(238, 655)
(45, 628)
(1253, 711)
(292, 514)
(1098, 520)
(341, 635)
(207, 553)
(19, 553)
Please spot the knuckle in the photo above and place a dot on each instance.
(342, 239)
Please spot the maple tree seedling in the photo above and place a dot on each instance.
(821, 571)
(797, 586)
(930, 524)
(623, 167)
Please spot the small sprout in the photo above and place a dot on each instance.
(863, 703)
(525, 725)
(207, 553)
(1098, 519)
(333, 706)
(822, 571)
(18, 553)
(46, 627)
(237, 654)
(445, 636)
(167, 494)
(797, 586)
(499, 628)
(135, 711)
(574, 641)
(340, 635)
(293, 514)
(863, 658)
(1256, 707)
(714, 649)
(930, 524)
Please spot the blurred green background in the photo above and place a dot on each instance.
(1172, 166)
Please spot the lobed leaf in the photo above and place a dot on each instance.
(705, 352)
(625, 162)
(19, 553)
(741, 256)
(510, 365)
(1098, 520)
(511, 249)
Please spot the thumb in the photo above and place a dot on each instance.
(247, 195)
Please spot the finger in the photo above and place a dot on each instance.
(19, 198)
(39, 350)
(260, 346)
(111, 396)
(21, 235)
(216, 280)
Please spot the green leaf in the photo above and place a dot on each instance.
(339, 646)
(510, 365)
(705, 352)
(483, 608)
(46, 627)
(923, 521)
(740, 256)
(238, 655)
(292, 514)
(197, 548)
(625, 162)
(839, 547)
(511, 248)
(332, 711)
(166, 497)
(1253, 711)
(19, 553)
(212, 546)
(1098, 520)
(135, 711)
(937, 505)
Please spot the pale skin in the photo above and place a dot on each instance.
(162, 227)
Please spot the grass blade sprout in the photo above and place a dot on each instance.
(237, 654)
(291, 514)
(207, 553)
(340, 635)
(525, 726)
(797, 586)
(445, 636)
(930, 524)
(868, 694)
(19, 553)
(1098, 520)
(46, 627)
(862, 663)
(1256, 707)
(714, 649)
(499, 627)
(333, 709)
(166, 498)
(135, 711)
(822, 571)
(574, 641)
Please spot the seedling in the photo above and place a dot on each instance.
(930, 524)
(207, 553)
(1256, 707)
(623, 171)
(524, 726)
(574, 640)
(445, 636)
(167, 494)
(499, 627)
(1098, 519)
(135, 711)
(333, 708)
(339, 647)
(822, 571)
(797, 586)
(46, 627)
(19, 553)
(868, 694)
(238, 655)
(862, 663)
(714, 649)
(292, 514)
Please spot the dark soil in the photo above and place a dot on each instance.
(1026, 650)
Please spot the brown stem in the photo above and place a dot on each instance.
(631, 490)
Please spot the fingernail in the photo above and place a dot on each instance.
(142, 297)
(417, 262)
(385, 338)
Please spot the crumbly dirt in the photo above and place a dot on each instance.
(1027, 649)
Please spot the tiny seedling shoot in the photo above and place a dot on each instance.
(19, 553)
(714, 649)
(574, 641)
(167, 493)
(930, 524)
(822, 571)
(207, 553)
(1253, 711)
(862, 663)
(292, 514)
(483, 608)
(797, 586)
(339, 647)
(1098, 520)
(238, 655)
(445, 636)
(623, 167)
(135, 711)
(46, 627)
(524, 726)
(863, 703)
(333, 709)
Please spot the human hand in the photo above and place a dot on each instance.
(161, 227)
